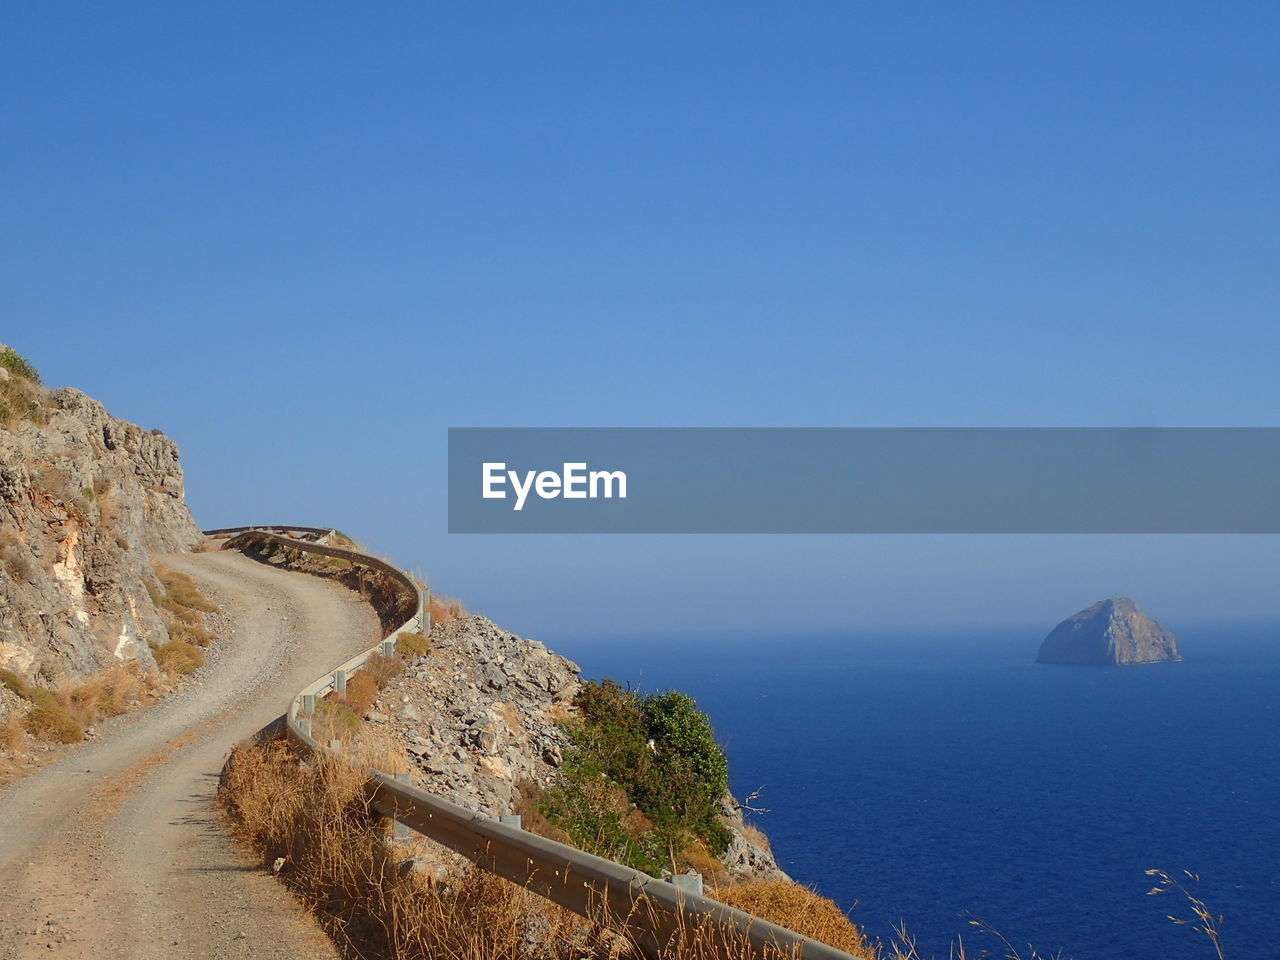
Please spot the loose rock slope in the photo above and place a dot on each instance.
(479, 714)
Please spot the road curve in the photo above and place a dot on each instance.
(114, 852)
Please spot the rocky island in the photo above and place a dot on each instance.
(1110, 631)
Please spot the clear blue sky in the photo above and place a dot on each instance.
(304, 239)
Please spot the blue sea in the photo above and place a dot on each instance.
(933, 777)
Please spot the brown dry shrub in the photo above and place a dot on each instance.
(183, 606)
(188, 633)
(699, 858)
(178, 657)
(181, 590)
(362, 691)
(13, 733)
(525, 803)
(15, 684)
(181, 614)
(412, 645)
(334, 720)
(315, 817)
(19, 400)
(444, 609)
(800, 909)
(49, 719)
(111, 693)
(382, 669)
(318, 819)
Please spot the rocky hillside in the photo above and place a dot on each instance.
(86, 502)
(479, 717)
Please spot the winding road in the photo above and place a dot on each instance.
(115, 851)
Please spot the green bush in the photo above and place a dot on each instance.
(642, 778)
(683, 733)
(17, 365)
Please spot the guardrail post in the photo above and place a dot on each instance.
(424, 622)
(389, 648)
(688, 882)
(340, 681)
(400, 831)
(305, 726)
(308, 703)
(511, 820)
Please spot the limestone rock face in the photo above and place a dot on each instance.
(86, 502)
(1110, 631)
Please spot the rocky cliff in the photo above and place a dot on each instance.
(479, 717)
(86, 502)
(1110, 631)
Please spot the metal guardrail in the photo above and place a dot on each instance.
(653, 910)
(274, 528)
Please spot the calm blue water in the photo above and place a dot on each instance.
(924, 777)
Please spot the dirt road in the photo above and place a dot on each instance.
(115, 852)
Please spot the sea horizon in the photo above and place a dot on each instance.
(929, 776)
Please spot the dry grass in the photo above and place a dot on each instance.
(181, 592)
(1202, 919)
(111, 693)
(61, 714)
(362, 691)
(178, 657)
(412, 645)
(382, 669)
(189, 633)
(334, 712)
(757, 837)
(49, 719)
(800, 909)
(525, 803)
(444, 609)
(20, 394)
(184, 607)
(13, 734)
(15, 683)
(315, 820)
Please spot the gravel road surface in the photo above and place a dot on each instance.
(115, 851)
